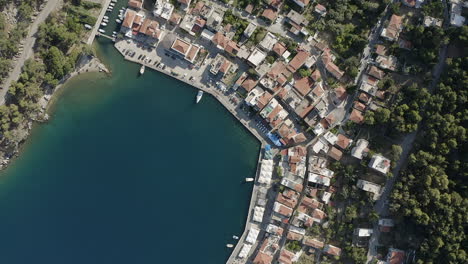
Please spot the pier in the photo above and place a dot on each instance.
(94, 31)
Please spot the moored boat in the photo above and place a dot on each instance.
(199, 96)
(101, 30)
(235, 237)
(229, 245)
(249, 179)
(142, 69)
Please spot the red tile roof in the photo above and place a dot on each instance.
(343, 141)
(298, 60)
(335, 153)
(279, 48)
(356, 116)
(249, 84)
(303, 84)
(270, 14)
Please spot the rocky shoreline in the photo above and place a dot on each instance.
(11, 149)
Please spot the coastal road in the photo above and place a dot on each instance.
(28, 47)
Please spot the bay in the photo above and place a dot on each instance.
(128, 170)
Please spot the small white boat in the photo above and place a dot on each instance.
(118, 20)
(199, 96)
(101, 30)
(112, 4)
(106, 17)
(229, 245)
(249, 179)
(142, 69)
(235, 237)
(103, 24)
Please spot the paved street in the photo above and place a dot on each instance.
(28, 47)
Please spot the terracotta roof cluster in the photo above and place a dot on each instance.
(264, 99)
(331, 66)
(289, 201)
(150, 28)
(286, 257)
(225, 43)
(394, 27)
(279, 73)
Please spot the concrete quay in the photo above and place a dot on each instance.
(179, 71)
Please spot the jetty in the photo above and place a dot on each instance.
(94, 31)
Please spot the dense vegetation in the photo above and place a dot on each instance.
(56, 54)
(432, 192)
(11, 35)
(349, 22)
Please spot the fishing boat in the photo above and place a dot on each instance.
(199, 96)
(142, 69)
(235, 237)
(229, 245)
(249, 179)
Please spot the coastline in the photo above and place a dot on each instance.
(87, 64)
(233, 259)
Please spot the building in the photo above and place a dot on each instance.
(184, 4)
(330, 66)
(268, 42)
(386, 62)
(360, 149)
(250, 29)
(456, 18)
(396, 256)
(332, 250)
(256, 57)
(214, 20)
(313, 243)
(283, 210)
(380, 163)
(279, 49)
(270, 15)
(432, 22)
(175, 18)
(136, 4)
(163, 9)
(320, 9)
(335, 153)
(301, 3)
(220, 65)
(298, 61)
(185, 49)
(343, 141)
(369, 187)
(297, 22)
(150, 29)
(392, 31)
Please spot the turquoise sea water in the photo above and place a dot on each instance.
(128, 170)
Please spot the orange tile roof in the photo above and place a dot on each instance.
(249, 8)
(290, 202)
(359, 106)
(364, 97)
(312, 242)
(225, 66)
(335, 153)
(394, 26)
(318, 90)
(175, 18)
(356, 116)
(264, 99)
(249, 84)
(262, 258)
(270, 14)
(319, 214)
(279, 48)
(192, 52)
(181, 46)
(332, 250)
(376, 72)
(310, 202)
(275, 3)
(303, 84)
(343, 141)
(316, 76)
(286, 256)
(381, 50)
(299, 138)
(340, 93)
(135, 3)
(150, 28)
(294, 236)
(129, 17)
(198, 7)
(298, 60)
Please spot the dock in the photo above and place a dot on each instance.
(94, 31)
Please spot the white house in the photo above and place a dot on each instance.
(380, 163)
(369, 187)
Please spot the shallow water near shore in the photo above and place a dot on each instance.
(128, 170)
